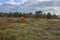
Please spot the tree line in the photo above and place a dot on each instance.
(37, 14)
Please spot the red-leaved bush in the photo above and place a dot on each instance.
(24, 20)
(38, 19)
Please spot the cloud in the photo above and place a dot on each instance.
(1, 4)
(12, 2)
(23, 1)
(31, 5)
(45, 0)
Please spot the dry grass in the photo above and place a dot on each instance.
(14, 29)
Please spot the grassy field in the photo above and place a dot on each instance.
(33, 29)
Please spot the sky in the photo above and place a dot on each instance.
(52, 6)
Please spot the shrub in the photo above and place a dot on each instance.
(7, 35)
(24, 20)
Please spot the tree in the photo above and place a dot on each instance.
(38, 14)
(9, 14)
(20, 14)
(44, 15)
(5, 14)
(1, 14)
(54, 16)
(49, 15)
(30, 14)
(24, 14)
(16, 14)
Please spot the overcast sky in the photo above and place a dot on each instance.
(30, 6)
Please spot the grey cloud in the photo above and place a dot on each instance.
(32, 5)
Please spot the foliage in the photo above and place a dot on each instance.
(37, 30)
(37, 14)
(49, 16)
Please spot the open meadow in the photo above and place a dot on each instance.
(29, 29)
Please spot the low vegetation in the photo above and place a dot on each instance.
(29, 29)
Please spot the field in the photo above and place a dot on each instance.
(31, 29)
